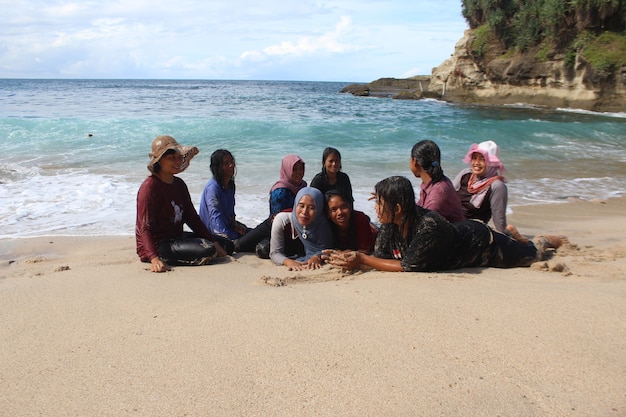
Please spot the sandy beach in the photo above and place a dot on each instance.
(88, 330)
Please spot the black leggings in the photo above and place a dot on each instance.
(191, 250)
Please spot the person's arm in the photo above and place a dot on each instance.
(147, 211)
(214, 215)
(364, 232)
(281, 199)
(456, 182)
(194, 221)
(443, 199)
(147, 215)
(346, 185)
(498, 201)
(318, 181)
(277, 238)
(352, 260)
(434, 200)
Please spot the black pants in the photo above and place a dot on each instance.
(507, 252)
(191, 250)
(249, 241)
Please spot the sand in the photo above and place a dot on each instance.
(88, 330)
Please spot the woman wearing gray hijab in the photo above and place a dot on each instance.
(298, 238)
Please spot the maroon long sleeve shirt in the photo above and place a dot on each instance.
(162, 210)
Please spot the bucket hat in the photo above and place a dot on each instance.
(489, 150)
(164, 143)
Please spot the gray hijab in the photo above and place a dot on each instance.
(316, 236)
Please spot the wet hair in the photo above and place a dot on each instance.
(217, 168)
(397, 190)
(328, 152)
(156, 168)
(428, 156)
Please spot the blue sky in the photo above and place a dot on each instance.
(351, 40)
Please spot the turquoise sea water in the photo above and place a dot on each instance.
(56, 179)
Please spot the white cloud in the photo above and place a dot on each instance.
(327, 42)
(306, 39)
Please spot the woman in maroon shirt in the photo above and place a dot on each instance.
(352, 229)
(164, 206)
(436, 192)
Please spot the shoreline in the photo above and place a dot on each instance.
(89, 330)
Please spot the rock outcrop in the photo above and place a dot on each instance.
(405, 88)
(499, 78)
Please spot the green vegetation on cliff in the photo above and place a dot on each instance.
(594, 28)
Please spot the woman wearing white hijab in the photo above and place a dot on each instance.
(481, 187)
(298, 238)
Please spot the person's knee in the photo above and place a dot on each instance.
(263, 249)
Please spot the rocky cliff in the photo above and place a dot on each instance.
(498, 78)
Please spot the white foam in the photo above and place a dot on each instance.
(619, 115)
(85, 204)
(88, 204)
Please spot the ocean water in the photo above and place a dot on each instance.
(75, 151)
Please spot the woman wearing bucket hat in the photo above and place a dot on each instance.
(481, 187)
(164, 206)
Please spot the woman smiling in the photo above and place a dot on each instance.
(299, 237)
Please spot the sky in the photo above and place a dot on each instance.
(303, 40)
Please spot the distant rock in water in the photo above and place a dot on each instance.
(499, 78)
(413, 88)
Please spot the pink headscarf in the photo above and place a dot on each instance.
(286, 171)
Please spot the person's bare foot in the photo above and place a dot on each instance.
(515, 234)
(556, 241)
(551, 241)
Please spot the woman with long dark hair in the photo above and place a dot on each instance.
(436, 191)
(217, 204)
(412, 238)
(331, 177)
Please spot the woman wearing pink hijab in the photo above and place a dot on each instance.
(282, 196)
(481, 187)
(283, 192)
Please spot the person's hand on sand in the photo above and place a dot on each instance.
(348, 260)
(294, 265)
(314, 262)
(157, 265)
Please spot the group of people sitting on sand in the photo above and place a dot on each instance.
(308, 226)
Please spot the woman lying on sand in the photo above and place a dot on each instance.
(412, 238)
(299, 237)
(352, 229)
